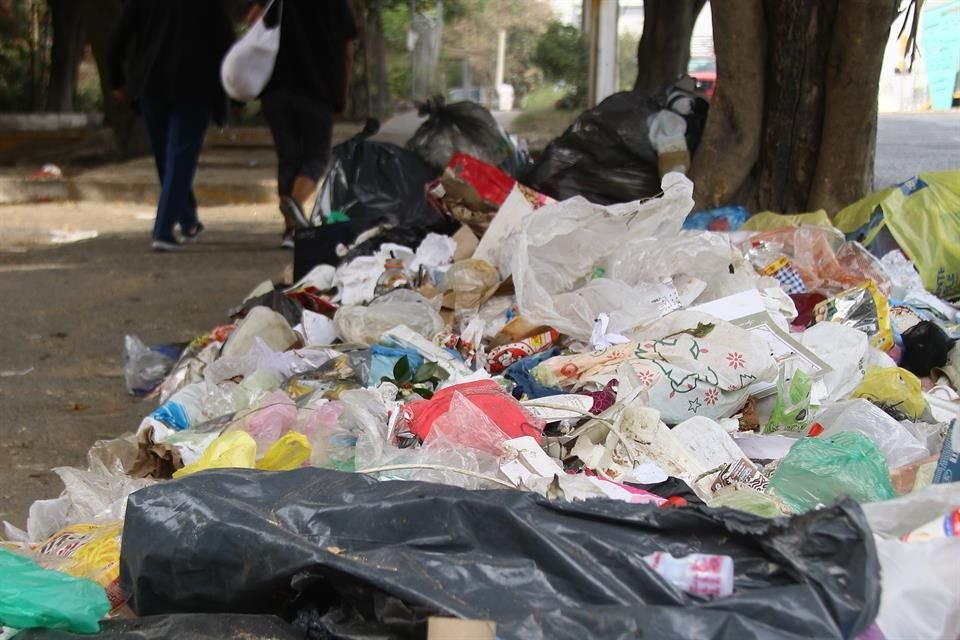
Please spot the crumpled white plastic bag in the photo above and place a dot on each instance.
(920, 598)
(560, 247)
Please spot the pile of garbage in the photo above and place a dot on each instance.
(567, 418)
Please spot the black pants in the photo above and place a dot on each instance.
(302, 130)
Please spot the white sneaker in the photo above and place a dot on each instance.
(287, 242)
(163, 246)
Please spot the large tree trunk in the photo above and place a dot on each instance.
(358, 105)
(664, 48)
(65, 54)
(792, 126)
(129, 133)
(378, 84)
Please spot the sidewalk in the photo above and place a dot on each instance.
(238, 166)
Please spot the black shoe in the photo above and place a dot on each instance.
(293, 213)
(191, 237)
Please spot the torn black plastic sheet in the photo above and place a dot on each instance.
(342, 549)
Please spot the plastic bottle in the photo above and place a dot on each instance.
(393, 276)
(699, 574)
(946, 527)
(184, 408)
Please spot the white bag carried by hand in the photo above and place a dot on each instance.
(248, 65)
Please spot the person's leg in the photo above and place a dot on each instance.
(280, 117)
(156, 117)
(316, 122)
(185, 138)
(193, 129)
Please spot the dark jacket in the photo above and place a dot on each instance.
(176, 47)
(313, 39)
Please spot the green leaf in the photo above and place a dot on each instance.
(401, 370)
(426, 394)
(426, 371)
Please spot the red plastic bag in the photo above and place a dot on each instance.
(490, 183)
(500, 407)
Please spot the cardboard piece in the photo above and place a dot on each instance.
(456, 629)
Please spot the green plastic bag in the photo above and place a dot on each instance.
(923, 216)
(32, 597)
(819, 470)
(792, 411)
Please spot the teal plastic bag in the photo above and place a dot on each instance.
(32, 597)
(819, 470)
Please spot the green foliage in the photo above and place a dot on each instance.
(422, 382)
(17, 84)
(561, 53)
(627, 60)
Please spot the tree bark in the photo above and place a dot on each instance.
(378, 83)
(129, 133)
(358, 104)
(731, 141)
(663, 52)
(65, 54)
(792, 126)
(799, 37)
(845, 167)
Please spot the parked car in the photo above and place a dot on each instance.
(704, 71)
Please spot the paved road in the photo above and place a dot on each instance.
(66, 309)
(909, 143)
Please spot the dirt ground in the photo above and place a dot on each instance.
(66, 309)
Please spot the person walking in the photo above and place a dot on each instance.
(308, 87)
(174, 49)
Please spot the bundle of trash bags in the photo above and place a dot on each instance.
(563, 418)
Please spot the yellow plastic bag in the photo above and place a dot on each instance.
(236, 449)
(87, 551)
(923, 216)
(895, 390)
(771, 221)
(287, 453)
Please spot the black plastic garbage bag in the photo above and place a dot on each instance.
(344, 555)
(376, 190)
(196, 626)
(275, 300)
(606, 155)
(463, 127)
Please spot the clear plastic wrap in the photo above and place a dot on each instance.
(897, 444)
(367, 324)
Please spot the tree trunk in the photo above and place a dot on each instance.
(65, 54)
(129, 133)
(844, 171)
(358, 105)
(792, 126)
(663, 52)
(378, 84)
(731, 140)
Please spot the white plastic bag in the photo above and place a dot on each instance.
(898, 445)
(919, 594)
(557, 255)
(247, 67)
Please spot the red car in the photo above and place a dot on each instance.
(704, 71)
